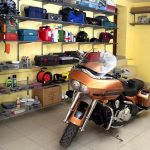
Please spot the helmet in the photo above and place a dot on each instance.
(82, 36)
(95, 40)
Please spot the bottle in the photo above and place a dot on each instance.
(9, 82)
(18, 102)
(55, 34)
(14, 81)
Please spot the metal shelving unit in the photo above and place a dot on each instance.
(64, 24)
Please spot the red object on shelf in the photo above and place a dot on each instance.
(45, 34)
(93, 56)
(9, 36)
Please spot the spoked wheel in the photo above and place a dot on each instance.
(69, 134)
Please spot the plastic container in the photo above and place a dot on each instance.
(35, 12)
(45, 33)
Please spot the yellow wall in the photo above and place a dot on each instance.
(142, 48)
(125, 31)
(134, 40)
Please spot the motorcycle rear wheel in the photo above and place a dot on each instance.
(68, 135)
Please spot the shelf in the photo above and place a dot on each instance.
(81, 43)
(133, 24)
(64, 23)
(8, 116)
(140, 12)
(83, 8)
(28, 110)
(34, 68)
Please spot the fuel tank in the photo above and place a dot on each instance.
(102, 89)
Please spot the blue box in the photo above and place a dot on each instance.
(35, 12)
(27, 32)
(28, 38)
(87, 4)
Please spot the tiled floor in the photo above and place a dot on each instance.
(42, 131)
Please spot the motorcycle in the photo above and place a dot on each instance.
(102, 96)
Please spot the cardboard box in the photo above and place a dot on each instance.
(110, 6)
(48, 95)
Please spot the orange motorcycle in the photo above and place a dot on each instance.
(102, 96)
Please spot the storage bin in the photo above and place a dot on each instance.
(35, 12)
(28, 32)
(9, 36)
(28, 38)
(46, 60)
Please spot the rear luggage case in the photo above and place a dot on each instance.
(144, 98)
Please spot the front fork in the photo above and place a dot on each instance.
(72, 106)
(89, 112)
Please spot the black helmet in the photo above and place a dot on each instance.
(82, 36)
(101, 19)
(95, 40)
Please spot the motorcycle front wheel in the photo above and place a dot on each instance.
(68, 135)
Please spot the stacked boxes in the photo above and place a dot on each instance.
(8, 29)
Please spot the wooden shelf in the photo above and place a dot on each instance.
(139, 24)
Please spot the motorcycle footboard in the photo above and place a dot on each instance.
(79, 113)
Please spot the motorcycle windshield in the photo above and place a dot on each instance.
(99, 63)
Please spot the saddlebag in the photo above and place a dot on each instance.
(144, 98)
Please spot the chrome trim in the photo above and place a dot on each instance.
(112, 117)
(93, 105)
(75, 99)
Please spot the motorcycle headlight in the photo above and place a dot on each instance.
(84, 89)
(75, 85)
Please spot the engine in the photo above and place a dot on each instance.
(123, 115)
(124, 111)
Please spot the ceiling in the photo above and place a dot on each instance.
(139, 0)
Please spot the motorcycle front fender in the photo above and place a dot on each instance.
(79, 113)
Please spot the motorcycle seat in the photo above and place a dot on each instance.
(132, 86)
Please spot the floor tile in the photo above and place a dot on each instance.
(140, 143)
(146, 133)
(43, 129)
(39, 148)
(53, 145)
(104, 141)
(42, 136)
(7, 134)
(20, 144)
(126, 148)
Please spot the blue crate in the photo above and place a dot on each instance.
(27, 32)
(28, 38)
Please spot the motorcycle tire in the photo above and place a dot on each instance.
(68, 135)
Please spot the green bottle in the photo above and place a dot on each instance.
(9, 82)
